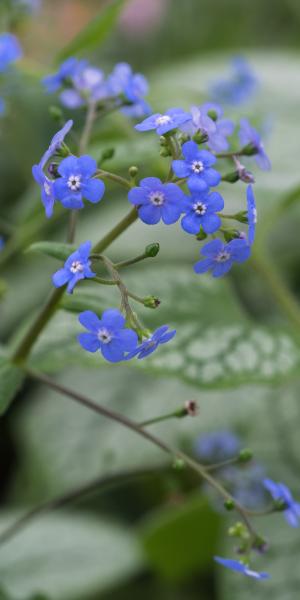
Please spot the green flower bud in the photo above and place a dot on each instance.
(229, 504)
(107, 154)
(279, 505)
(212, 114)
(201, 235)
(152, 250)
(231, 234)
(238, 530)
(241, 216)
(200, 138)
(133, 171)
(249, 150)
(165, 152)
(178, 464)
(151, 302)
(245, 455)
(163, 141)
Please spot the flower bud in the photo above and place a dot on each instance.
(201, 235)
(107, 154)
(212, 114)
(245, 455)
(163, 141)
(249, 150)
(279, 505)
(241, 216)
(178, 464)
(238, 530)
(165, 152)
(229, 504)
(246, 176)
(133, 171)
(200, 138)
(151, 302)
(152, 250)
(191, 408)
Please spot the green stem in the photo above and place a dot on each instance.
(282, 294)
(131, 261)
(46, 312)
(133, 426)
(113, 177)
(177, 414)
(101, 483)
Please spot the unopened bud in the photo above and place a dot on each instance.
(212, 114)
(165, 152)
(279, 505)
(163, 141)
(152, 250)
(246, 176)
(245, 455)
(232, 234)
(133, 171)
(242, 216)
(191, 408)
(151, 302)
(229, 504)
(201, 235)
(238, 530)
(260, 545)
(178, 464)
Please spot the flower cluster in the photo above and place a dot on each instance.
(80, 83)
(185, 136)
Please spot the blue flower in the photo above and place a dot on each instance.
(156, 200)
(66, 70)
(240, 567)
(197, 168)
(56, 142)
(76, 182)
(47, 191)
(88, 84)
(216, 131)
(159, 336)
(220, 257)
(76, 267)
(217, 446)
(279, 491)
(237, 88)
(201, 211)
(252, 214)
(249, 135)
(134, 86)
(107, 334)
(163, 123)
(2, 243)
(10, 50)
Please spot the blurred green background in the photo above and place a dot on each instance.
(235, 353)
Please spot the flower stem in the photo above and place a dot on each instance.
(47, 311)
(139, 430)
(177, 414)
(113, 177)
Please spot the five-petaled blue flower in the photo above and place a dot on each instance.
(156, 200)
(220, 257)
(196, 166)
(10, 50)
(201, 211)
(163, 123)
(252, 214)
(134, 86)
(56, 143)
(159, 336)
(66, 70)
(279, 491)
(216, 131)
(76, 267)
(76, 182)
(47, 191)
(240, 567)
(238, 87)
(107, 334)
(249, 136)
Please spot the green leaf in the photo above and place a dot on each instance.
(11, 378)
(94, 34)
(83, 301)
(67, 557)
(53, 249)
(213, 348)
(180, 541)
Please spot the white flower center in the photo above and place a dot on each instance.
(163, 120)
(47, 188)
(76, 267)
(74, 182)
(104, 336)
(157, 198)
(197, 166)
(223, 256)
(199, 208)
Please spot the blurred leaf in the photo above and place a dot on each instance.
(11, 378)
(83, 301)
(181, 540)
(54, 249)
(67, 557)
(212, 348)
(94, 34)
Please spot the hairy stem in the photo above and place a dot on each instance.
(133, 426)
